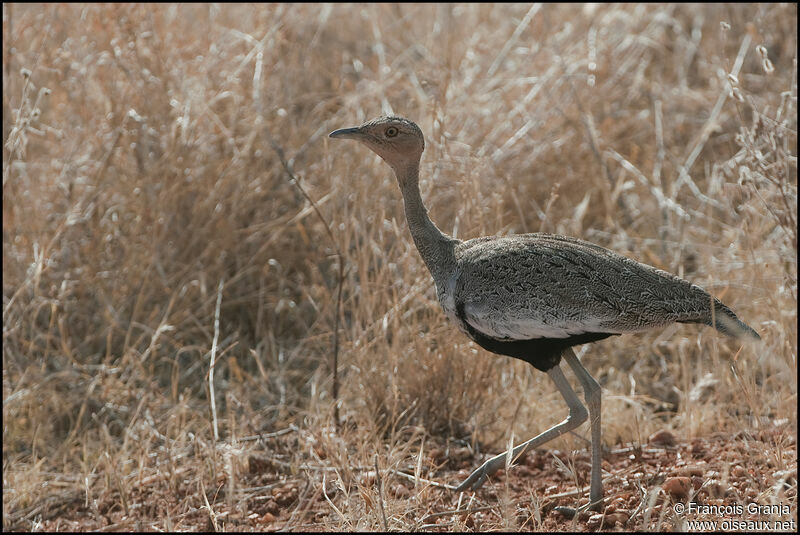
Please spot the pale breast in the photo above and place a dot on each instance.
(445, 292)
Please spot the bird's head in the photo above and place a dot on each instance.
(397, 140)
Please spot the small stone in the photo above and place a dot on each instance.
(678, 486)
(617, 504)
(693, 470)
(621, 518)
(272, 507)
(594, 521)
(662, 438)
(610, 520)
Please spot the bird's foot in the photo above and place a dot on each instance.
(570, 512)
(474, 481)
(479, 476)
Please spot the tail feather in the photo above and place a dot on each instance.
(726, 322)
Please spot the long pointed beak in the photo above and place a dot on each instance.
(346, 133)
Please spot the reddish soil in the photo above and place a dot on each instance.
(722, 469)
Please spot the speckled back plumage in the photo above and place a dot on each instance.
(572, 286)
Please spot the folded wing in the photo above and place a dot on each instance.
(542, 286)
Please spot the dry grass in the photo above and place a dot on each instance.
(138, 175)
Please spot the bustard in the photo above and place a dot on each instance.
(534, 296)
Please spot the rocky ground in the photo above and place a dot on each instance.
(645, 485)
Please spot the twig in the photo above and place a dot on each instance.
(705, 133)
(126, 525)
(339, 258)
(423, 480)
(361, 469)
(663, 202)
(213, 358)
(523, 24)
(460, 512)
(212, 516)
(379, 483)
(324, 493)
(45, 509)
(591, 136)
(268, 435)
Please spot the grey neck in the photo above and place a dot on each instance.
(435, 247)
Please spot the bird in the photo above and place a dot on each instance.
(535, 296)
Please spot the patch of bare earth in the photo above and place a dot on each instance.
(643, 484)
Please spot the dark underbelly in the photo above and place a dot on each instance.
(541, 353)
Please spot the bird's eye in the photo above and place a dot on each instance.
(391, 131)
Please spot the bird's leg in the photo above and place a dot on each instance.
(592, 393)
(577, 415)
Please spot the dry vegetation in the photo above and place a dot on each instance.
(143, 190)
